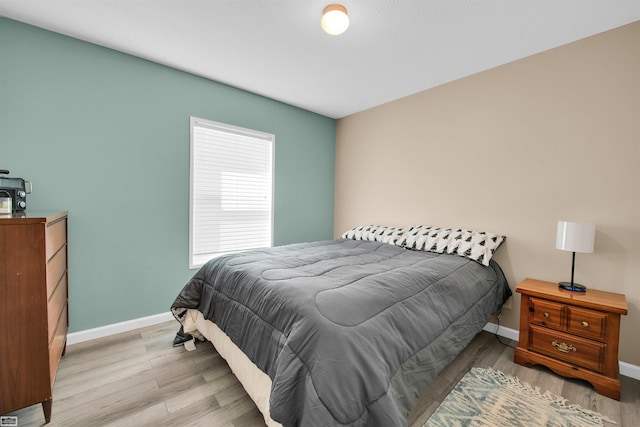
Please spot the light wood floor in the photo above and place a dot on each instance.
(138, 379)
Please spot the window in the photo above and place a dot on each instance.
(231, 194)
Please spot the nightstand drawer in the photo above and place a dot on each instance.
(575, 350)
(587, 323)
(546, 313)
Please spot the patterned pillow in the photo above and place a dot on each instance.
(361, 232)
(375, 233)
(391, 235)
(412, 235)
(475, 245)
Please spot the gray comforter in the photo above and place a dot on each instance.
(350, 332)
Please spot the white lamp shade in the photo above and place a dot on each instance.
(575, 236)
(335, 20)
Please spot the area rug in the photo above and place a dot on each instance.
(485, 397)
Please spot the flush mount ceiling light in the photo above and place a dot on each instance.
(335, 20)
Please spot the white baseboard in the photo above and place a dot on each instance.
(626, 369)
(629, 370)
(116, 328)
(512, 334)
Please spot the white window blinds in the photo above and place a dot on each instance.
(231, 202)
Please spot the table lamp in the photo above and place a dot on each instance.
(575, 237)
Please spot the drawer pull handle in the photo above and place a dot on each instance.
(585, 324)
(546, 314)
(565, 348)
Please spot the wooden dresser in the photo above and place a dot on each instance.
(33, 307)
(575, 334)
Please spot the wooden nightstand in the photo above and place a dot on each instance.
(575, 334)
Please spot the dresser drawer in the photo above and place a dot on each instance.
(572, 349)
(57, 344)
(546, 313)
(56, 236)
(587, 323)
(56, 267)
(56, 305)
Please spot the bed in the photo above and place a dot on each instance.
(345, 332)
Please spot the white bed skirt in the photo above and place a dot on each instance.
(256, 383)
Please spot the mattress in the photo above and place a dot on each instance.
(256, 383)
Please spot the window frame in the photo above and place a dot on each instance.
(196, 261)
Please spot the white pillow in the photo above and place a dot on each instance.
(391, 235)
(476, 245)
(363, 232)
(377, 233)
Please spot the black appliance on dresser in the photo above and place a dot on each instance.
(15, 188)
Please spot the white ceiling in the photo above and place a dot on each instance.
(276, 48)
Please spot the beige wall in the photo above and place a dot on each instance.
(555, 136)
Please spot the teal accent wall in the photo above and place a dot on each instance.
(105, 135)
